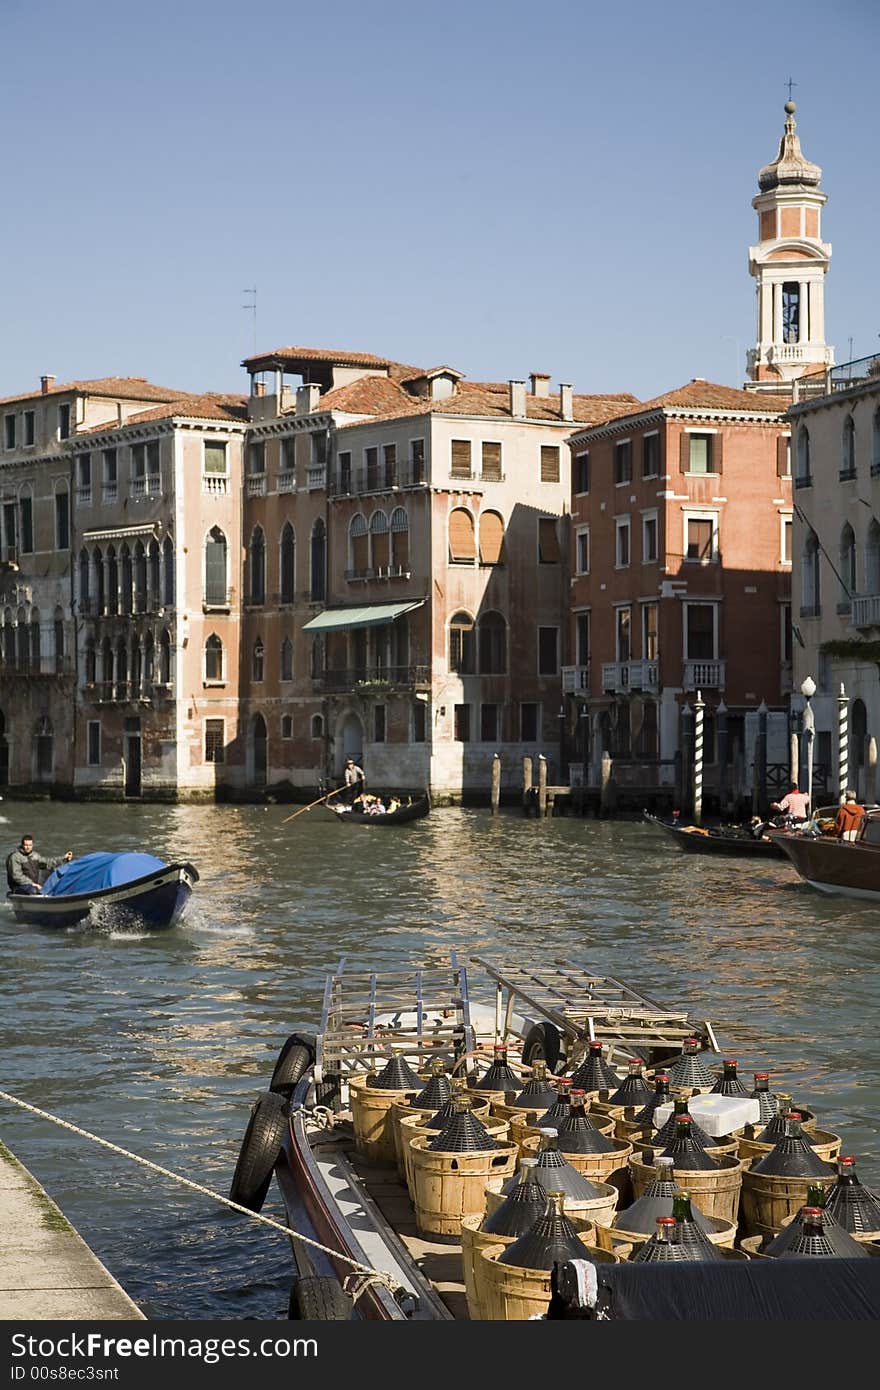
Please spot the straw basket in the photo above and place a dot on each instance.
(586, 1212)
(372, 1120)
(724, 1235)
(448, 1186)
(751, 1246)
(514, 1294)
(715, 1191)
(768, 1199)
(824, 1144)
(608, 1167)
(402, 1110)
(520, 1129)
(410, 1127)
(473, 1243)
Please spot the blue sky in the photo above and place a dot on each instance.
(503, 187)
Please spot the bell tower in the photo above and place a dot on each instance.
(789, 264)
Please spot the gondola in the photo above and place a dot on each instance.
(414, 809)
(134, 891)
(703, 840)
(359, 1250)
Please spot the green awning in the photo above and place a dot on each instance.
(370, 615)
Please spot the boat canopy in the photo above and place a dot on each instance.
(93, 872)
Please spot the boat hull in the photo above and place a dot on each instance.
(155, 902)
(416, 810)
(716, 843)
(834, 866)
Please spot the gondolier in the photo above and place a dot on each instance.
(24, 866)
(354, 776)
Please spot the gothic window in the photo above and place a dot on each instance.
(872, 559)
(379, 541)
(848, 451)
(287, 660)
(35, 639)
(287, 563)
(318, 566)
(58, 636)
(215, 568)
(168, 572)
(257, 563)
(804, 475)
(399, 540)
(213, 658)
(359, 544)
(165, 658)
(462, 544)
(125, 579)
(847, 565)
(811, 596)
(461, 644)
(84, 581)
(91, 662)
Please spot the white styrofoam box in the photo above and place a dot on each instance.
(716, 1114)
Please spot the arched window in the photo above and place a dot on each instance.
(100, 580)
(491, 539)
(213, 658)
(286, 726)
(58, 636)
(91, 662)
(168, 573)
(804, 473)
(848, 449)
(847, 566)
(257, 567)
(121, 670)
(287, 660)
(257, 661)
(462, 545)
(359, 544)
(154, 581)
(107, 662)
(379, 558)
(165, 657)
(399, 541)
(810, 577)
(21, 639)
(149, 659)
(136, 668)
(215, 568)
(36, 652)
(84, 581)
(317, 726)
(492, 643)
(461, 644)
(318, 566)
(316, 658)
(140, 578)
(112, 581)
(872, 559)
(287, 563)
(125, 579)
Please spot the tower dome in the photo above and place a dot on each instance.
(790, 165)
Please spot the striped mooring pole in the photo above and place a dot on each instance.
(842, 743)
(698, 757)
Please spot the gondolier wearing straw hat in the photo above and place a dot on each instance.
(354, 775)
(24, 865)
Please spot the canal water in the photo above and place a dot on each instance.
(160, 1042)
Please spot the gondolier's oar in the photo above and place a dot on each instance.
(325, 797)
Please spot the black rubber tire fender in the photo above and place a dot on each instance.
(259, 1151)
(294, 1060)
(317, 1298)
(542, 1043)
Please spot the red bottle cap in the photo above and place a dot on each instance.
(811, 1211)
(846, 1158)
(595, 1047)
(577, 1092)
(667, 1220)
(660, 1076)
(761, 1075)
(730, 1061)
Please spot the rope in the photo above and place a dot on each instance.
(369, 1276)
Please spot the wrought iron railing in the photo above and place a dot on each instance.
(366, 678)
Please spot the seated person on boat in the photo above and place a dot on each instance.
(24, 867)
(795, 805)
(850, 818)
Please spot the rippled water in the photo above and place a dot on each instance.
(160, 1042)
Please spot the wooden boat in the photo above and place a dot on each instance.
(116, 890)
(413, 809)
(847, 867)
(715, 840)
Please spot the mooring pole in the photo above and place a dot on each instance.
(496, 783)
(699, 707)
(842, 743)
(721, 730)
(871, 770)
(527, 785)
(542, 785)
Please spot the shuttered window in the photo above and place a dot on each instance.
(215, 567)
(371, 457)
(650, 456)
(214, 741)
(491, 462)
(399, 540)
(699, 538)
(389, 454)
(491, 538)
(548, 541)
(549, 463)
(700, 453)
(783, 456)
(460, 465)
(623, 461)
(462, 547)
(360, 544)
(379, 540)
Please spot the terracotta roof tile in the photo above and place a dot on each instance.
(383, 400)
(127, 388)
(709, 395)
(210, 406)
(342, 358)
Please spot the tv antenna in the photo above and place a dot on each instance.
(253, 307)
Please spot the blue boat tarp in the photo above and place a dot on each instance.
(93, 872)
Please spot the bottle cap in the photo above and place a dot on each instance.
(577, 1092)
(730, 1061)
(761, 1075)
(847, 1159)
(660, 1076)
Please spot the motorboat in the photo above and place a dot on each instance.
(125, 890)
(850, 868)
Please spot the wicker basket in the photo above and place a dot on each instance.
(514, 1294)
(585, 1213)
(520, 1130)
(824, 1144)
(715, 1191)
(371, 1113)
(473, 1243)
(768, 1199)
(610, 1167)
(448, 1186)
(409, 1128)
(402, 1110)
(730, 1150)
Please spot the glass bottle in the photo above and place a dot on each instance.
(554, 1171)
(633, 1089)
(689, 1070)
(594, 1074)
(500, 1076)
(464, 1132)
(852, 1204)
(792, 1156)
(437, 1089)
(666, 1133)
(577, 1133)
(811, 1239)
(761, 1094)
(684, 1150)
(521, 1208)
(662, 1245)
(729, 1083)
(775, 1127)
(559, 1109)
(661, 1096)
(553, 1236)
(689, 1233)
(537, 1093)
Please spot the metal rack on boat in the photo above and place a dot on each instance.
(585, 1007)
(369, 1016)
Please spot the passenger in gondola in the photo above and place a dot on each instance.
(24, 867)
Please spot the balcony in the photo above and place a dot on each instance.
(866, 610)
(575, 680)
(38, 667)
(383, 478)
(109, 492)
(374, 679)
(619, 677)
(145, 487)
(287, 481)
(217, 602)
(125, 692)
(704, 675)
(84, 497)
(316, 476)
(256, 485)
(215, 484)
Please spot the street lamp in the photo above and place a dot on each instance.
(808, 690)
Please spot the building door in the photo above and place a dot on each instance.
(259, 750)
(132, 757)
(351, 745)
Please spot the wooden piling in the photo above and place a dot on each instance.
(496, 783)
(871, 770)
(605, 783)
(527, 786)
(542, 785)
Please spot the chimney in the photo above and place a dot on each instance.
(307, 398)
(518, 399)
(46, 383)
(566, 401)
(259, 389)
(540, 383)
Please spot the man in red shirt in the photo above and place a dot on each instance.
(849, 818)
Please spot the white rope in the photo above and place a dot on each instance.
(370, 1276)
